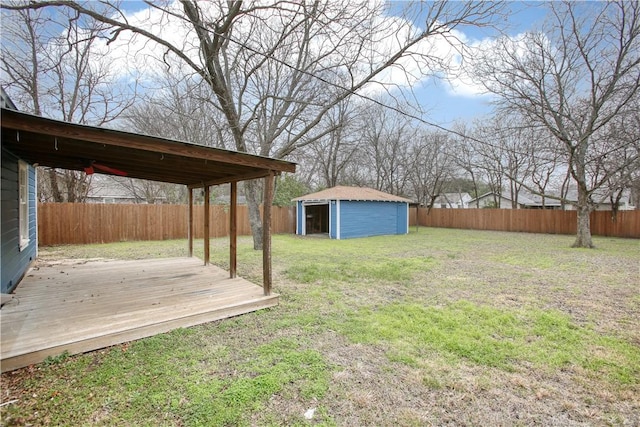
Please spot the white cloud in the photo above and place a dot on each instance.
(447, 57)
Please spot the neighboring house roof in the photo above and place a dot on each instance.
(601, 196)
(453, 198)
(352, 193)
(109, 193)
(524, 199)
(106, 187)
(528, 199)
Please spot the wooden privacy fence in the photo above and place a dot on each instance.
(80, 223)
(627, 223)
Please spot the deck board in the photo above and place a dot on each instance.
(86, 306)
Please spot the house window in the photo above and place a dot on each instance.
(23, 188)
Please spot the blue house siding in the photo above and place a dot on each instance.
(372, 218)
(15, 262)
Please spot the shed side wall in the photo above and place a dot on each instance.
(362, 219)
(15, 262)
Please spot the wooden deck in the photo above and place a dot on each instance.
(86, 306)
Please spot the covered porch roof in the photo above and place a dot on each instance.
(53, 143)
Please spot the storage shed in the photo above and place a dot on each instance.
(347, 212)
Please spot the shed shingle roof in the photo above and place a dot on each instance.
(352, 193)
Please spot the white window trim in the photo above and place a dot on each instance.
(338, 219)
(23, 204)
(408, 209)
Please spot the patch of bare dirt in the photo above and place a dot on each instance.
(367, 389)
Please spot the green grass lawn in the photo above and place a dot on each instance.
(436, 327)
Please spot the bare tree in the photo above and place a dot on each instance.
(385, 140)
(546, 164)
(618, 166)
(52, 67)
(573, 78)
(508, 146)
(467, 158)
(181, 110)
(490, 154)
(432, 166)
(516, 161)
(277, 69)
(335, 151)
(61, 185)
(24, 36)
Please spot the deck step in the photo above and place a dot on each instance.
(21, 360)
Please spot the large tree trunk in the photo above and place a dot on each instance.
(583, 236)
(53, 182)
(252, 193)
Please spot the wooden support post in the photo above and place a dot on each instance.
(206, 225)
(266, 234)
(190, 222)
(233, 230)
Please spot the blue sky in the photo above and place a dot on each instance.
(442, 105)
